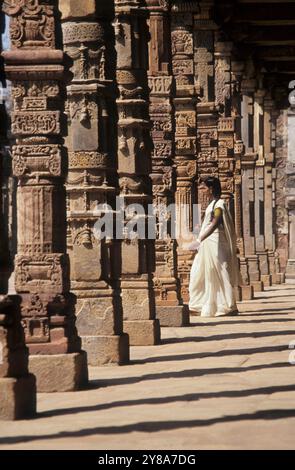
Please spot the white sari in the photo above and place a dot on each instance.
(215, 270)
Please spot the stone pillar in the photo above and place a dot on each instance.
(248, 190)
(17, 385)
(245, 290)
(34, 66)
(185, 131)
(169, 305)
(134, 166)
(290, 197)
(259, 139)
(269, 203)
(90, 182)
(226, 122)
(281, 212)
(5, 262)
(207, 116)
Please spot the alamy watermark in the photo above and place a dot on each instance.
(156, 221)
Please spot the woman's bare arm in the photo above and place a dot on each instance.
(214, 224)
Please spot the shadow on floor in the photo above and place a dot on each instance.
(202, 355)
(223, 337)
(243, 322)
(172, 399)
(155, 426)
(184, 373)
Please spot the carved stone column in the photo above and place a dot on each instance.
(259, 187)
(169, 305)
(34, 66)
(281, 212)
(134, 166)
(290, 197)
(269, 193)
(246, 290)
(248, 188)
(17, 385)
(226, 122)
(185, 130)
(90, 183)
(207, 117)
(5, 261)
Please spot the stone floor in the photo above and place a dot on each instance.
(225, 383)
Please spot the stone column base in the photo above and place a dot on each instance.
(277, 278)
(173, 315)
(18, 397)
(143, 332)
(247, 292)
(266, 279)
(238, 293)
(290, 272)
(59, 372)
(257, 286)
(281, 278)
(103, 350)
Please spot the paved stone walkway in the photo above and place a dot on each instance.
(225, 383)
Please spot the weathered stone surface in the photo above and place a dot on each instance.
(266, 279)
(257, 286)
(142, 332)
(17, 386)
(18, 398)
(173, 315)
(60, 372)
(106, 350)
(76, 9)
(247, 292)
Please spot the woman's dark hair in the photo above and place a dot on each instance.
(214, 183)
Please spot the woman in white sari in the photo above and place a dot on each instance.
(215, 270)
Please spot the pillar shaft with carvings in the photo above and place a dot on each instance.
(249, 158)
(90, 183)
(290, 196)
(226, 122)
(17, 386)
(185, 130)
(134, 166)
(239, 151)
(207, 118)
(259, 147)
(35, 67)
(169, 306)
(281, 211)
(269, 187)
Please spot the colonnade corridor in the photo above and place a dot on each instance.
(222, 383)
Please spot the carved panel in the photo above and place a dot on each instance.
(36, 159)
(31, 24)
(35, 123)
(38, 272)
